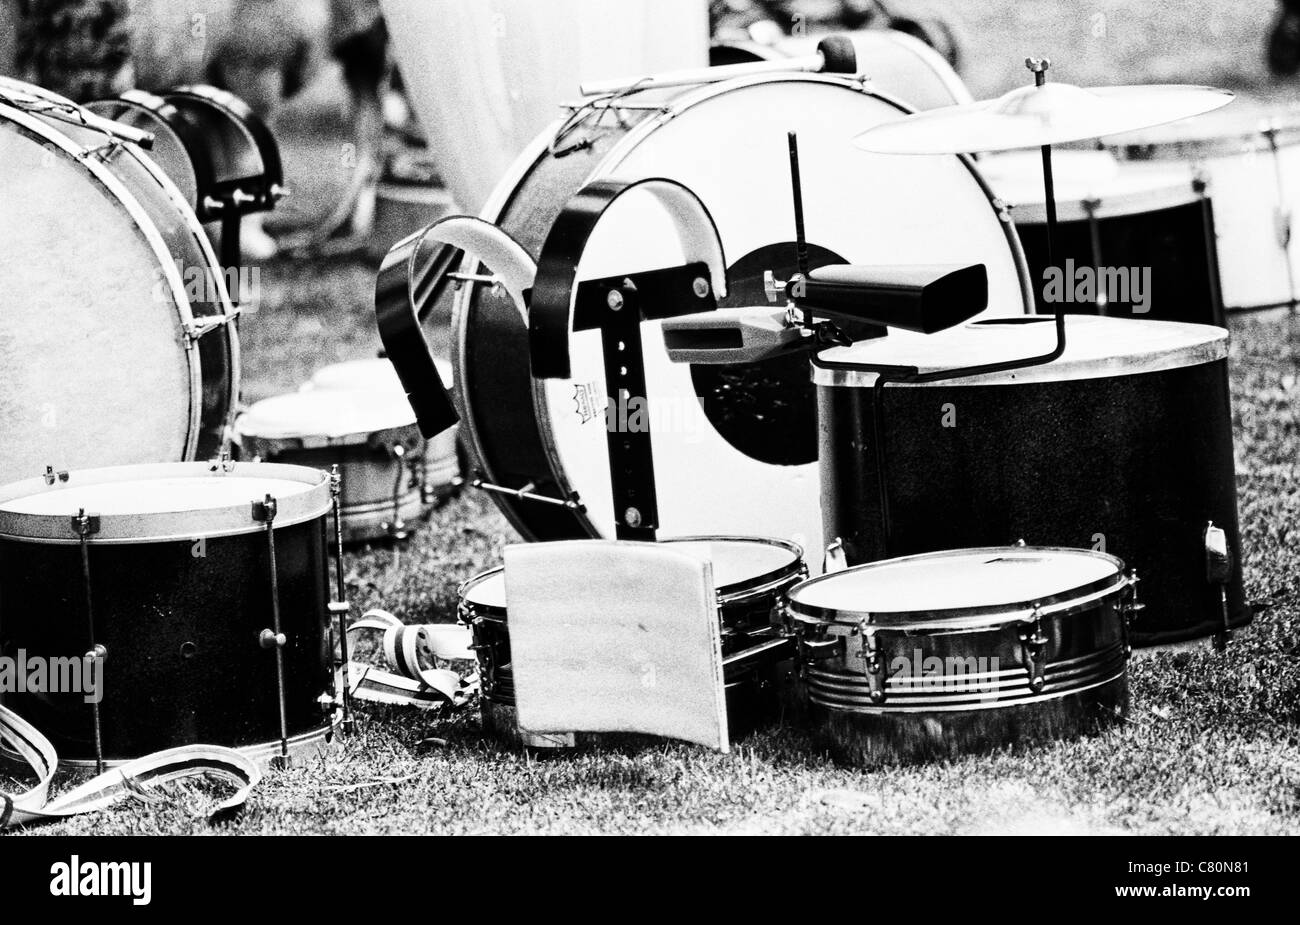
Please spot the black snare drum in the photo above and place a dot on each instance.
(1122, 445)
(953, 652)
(201, 589)
(752, 576)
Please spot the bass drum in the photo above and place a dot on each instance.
(738, 450)
(895, 62)
(123, 350)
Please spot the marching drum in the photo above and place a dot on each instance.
(896, 63)
(1252, 168)
(124, 350)
(1123, 444)
(201, 590)
(1152, 223)
(968, 650)
(370, 435)
(752, 576)
(736, 446)
(443, 472)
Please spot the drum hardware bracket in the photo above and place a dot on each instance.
(223, 462)
(51, 476)
(617, 306)
(197, 327)
(264, 511)
(1131, 609)
(875, 665)
(1034, 643)
(1218, 570)
(527, 493)
(339, 608)
(85, 526)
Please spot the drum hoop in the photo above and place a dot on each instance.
(156, 527)
(1230, 144)
(118, 191)
(1060, 604)
(1214, 350)
(757, 584)
(408, 435)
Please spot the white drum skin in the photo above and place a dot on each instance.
(371, 436)
(443, 471)
(723, 142)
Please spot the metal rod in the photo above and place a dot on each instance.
(340, 591)
(701, 75)
(270, 507)
(82, 525)
(800, 237)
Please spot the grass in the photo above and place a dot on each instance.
(1212, 745)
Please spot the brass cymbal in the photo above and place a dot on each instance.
(1030, 117)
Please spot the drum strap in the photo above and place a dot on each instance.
(407, 650)
(21, 741)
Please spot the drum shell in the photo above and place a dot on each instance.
(1177, 243)
(369, 471)
(1137, 464)
(756, 695)
(180, 622)
(1085, 685)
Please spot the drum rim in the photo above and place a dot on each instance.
(1284, 128)
(730, 593)
(166, 117)
(506, 189)
(117, 190)
(408, 434)
(960, 619)
(832, 373)
(1178, 192)
(186, 526)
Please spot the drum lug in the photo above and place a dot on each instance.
(875, 665)
(1130, 608)
(1033, 643)
(51, 476)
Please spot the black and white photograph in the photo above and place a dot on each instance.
(649, 417)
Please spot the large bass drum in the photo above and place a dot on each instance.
(739, 451)
(117, 346)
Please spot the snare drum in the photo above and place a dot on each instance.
(443, 470)
(1252, 168)
(968, 650)
(371, 436)
(752, 576)
(1151, 222)
(118, 346)
(201, 589)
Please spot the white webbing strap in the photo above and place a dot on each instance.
(20, 739)
(408, 649)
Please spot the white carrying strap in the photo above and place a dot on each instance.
(408, 649)
(21, 740)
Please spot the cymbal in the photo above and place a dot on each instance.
(1030, 117)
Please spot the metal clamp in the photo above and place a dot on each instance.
(1033, 642)
(875, 665)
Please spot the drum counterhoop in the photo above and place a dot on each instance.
(752, 576)
(966, 650)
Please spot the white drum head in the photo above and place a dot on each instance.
(376, 373)
(488, 590)
(737, 561)
(1095, 347)
(334, 414)
(84, 279)
(963, 580)
(729, 147)
(155, 496)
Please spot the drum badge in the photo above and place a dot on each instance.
(588, 398)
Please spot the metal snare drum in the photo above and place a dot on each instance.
(370, 436)
(973, 649)
(200, 589)
(752, 577)
(443, 468)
